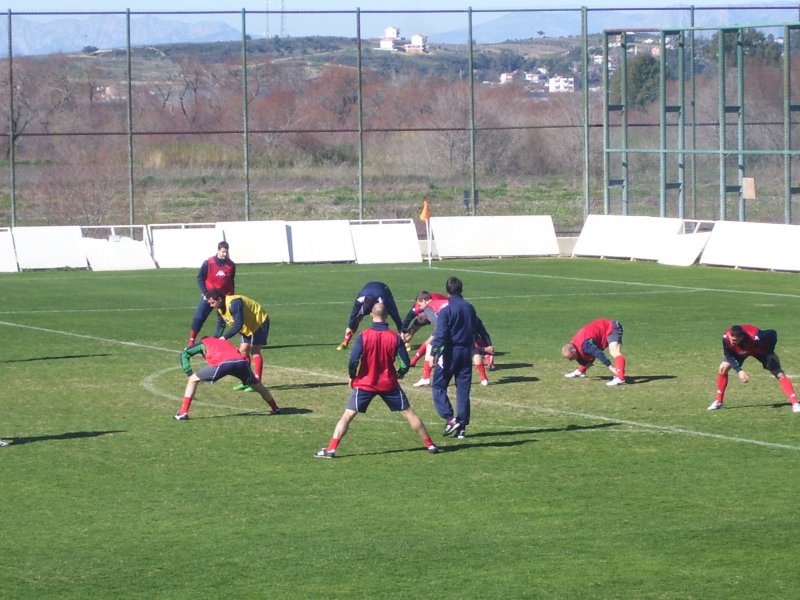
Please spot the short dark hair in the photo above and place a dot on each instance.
(424, 295)
(223, 244)
(215, 294)
(454, 286)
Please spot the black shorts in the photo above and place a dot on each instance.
(237, 368)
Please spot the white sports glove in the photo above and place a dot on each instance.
(575, 373)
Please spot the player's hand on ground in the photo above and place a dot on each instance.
(744, 377)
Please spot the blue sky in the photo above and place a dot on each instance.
(332, 25)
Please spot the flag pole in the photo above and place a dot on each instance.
(425, 215)
(428, 234)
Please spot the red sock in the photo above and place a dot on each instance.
(481, 370)
(334, 443)
(788, 389)
(427, 441)
(426, 370)
(258, 366)
(347, 338)
(419, 354)
(722, 383)
(185, 406)
(619, 365)
(489, 359)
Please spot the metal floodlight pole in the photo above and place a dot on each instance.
(473, 161)
(131, 187)
(11, 129)
(585, 77)
(245, 120)
(360, 96)
(721, 115)
(740, 121)
(787, 124)
(606, 127)
(662, 126)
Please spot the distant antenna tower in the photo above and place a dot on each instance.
(283, 18)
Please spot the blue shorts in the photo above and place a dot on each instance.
(616, 334)
(237, 368)
(770, 361)
(259, 338)
(359, 399)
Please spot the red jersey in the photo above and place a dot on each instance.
(375, 351)
(596, 331)
(220, 274)
(751, 345)
(436, 303)
(219, 351)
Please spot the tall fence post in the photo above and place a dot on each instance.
(471, 69)
(131, 187)
(11, 130)
(245, 119)
(360, 118)
(585, 83)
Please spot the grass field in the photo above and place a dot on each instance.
(563, 489)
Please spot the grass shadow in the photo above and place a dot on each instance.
(48, 358)
(71, 435)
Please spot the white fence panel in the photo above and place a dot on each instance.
(384, 242)
(55, 247)
(256, 242)
(754, 246)
(180, 246)
(8, 256)
(614, 236)
(320, 241)
(467, 237)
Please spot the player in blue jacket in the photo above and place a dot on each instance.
(452, 345)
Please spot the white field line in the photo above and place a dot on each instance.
(148, 384)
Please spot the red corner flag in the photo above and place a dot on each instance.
(426, 211)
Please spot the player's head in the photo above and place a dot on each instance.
(569, 351)
(368, 303)
(378, 312)
(223, 249)
(738, 334)
(454, 286)
(215, 298)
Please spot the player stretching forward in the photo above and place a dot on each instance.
(588, 345)
(416, 319)
(741, 341)
(372, 292)
(223, 359)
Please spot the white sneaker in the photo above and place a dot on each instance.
(796, 407)
(423, 383)
(575, 373)
(485, 382)
(716, 405)
(616, 381)
(5, 443)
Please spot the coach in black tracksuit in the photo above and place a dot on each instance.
(452, 345)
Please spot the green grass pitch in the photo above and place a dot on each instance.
(563, 489)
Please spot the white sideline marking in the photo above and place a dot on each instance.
(617, 282)
(148, 384)
(664, 428)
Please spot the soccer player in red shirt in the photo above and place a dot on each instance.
(588, 345)
(372, 373)
(741, 341)
(223, 359)
(216, 273)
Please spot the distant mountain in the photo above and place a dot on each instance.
(563, 23)
(106, 31)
